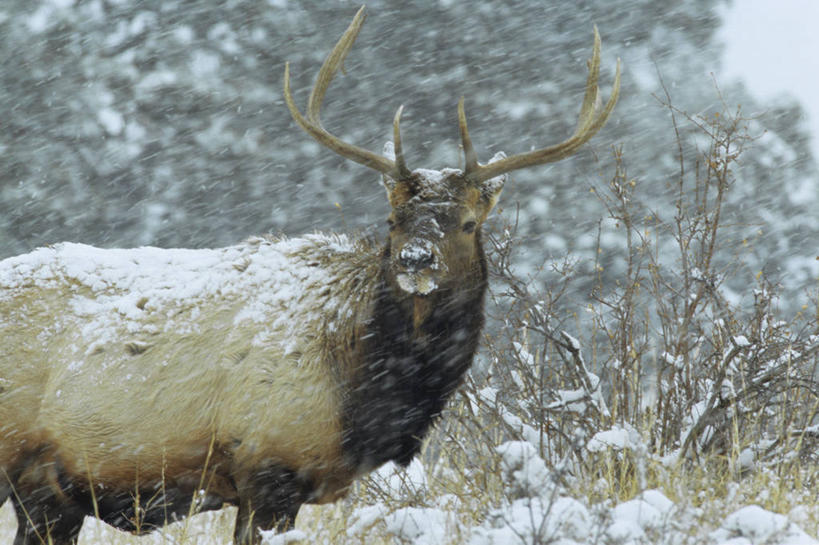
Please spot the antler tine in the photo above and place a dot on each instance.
(311, 124)
(591, 98)
(470, 156)
(400, 164)
(332, 64)
(590, 121)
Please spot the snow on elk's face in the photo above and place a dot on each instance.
(434, 225)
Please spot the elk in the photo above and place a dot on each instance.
(140, 385)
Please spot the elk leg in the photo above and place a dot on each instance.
(42, 518)
(43, 502)
(268, 499)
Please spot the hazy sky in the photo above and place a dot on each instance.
(774, 46)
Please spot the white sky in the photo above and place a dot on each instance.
(774, 46)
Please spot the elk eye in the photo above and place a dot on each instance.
(390, 223)
(469, 226)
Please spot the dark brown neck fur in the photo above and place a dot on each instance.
(408, 370)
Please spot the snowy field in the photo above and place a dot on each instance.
(536, 511)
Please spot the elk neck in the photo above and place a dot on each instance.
(413, 354)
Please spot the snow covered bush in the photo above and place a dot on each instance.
(674, 406)
(678, 355)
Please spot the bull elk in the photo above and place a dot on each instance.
(142, 385)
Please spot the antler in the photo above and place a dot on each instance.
(590, 120)
(312, 124)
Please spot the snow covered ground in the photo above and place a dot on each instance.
(538, 511)
(544, 514)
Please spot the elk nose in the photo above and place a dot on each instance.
(415, 257)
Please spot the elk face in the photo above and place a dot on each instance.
(434, 226)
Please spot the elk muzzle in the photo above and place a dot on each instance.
(418, 266)
(416, 256)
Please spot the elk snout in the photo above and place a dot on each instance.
(416, 256)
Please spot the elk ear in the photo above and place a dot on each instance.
(492, 188)
(389, 183)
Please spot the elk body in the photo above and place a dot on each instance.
(141, 385)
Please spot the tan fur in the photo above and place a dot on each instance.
(181, 382)
(422, 307)
(399, 195)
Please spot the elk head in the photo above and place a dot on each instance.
(437, 215)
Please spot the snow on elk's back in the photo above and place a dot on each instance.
(279, 283)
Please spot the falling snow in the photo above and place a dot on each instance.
(162, 124)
